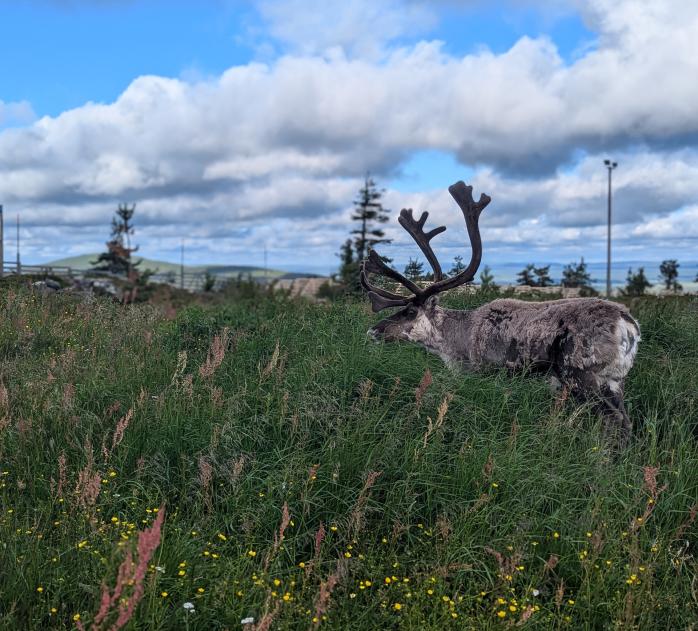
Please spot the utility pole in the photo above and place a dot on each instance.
(610, 166)
(181, 267)
(19, 262)
(266, 281)
(2, 248)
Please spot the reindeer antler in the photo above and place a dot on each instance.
(374, 264)
(416, 230)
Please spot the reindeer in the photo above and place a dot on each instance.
(585, 345)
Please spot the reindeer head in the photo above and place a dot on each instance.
(420, 318)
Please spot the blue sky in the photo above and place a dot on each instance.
(239, 124)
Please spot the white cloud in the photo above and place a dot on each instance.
(357, 27)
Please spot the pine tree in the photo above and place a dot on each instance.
(368, 211)
(487, 279)
(576, 275)
(542, 276)
(636, 284)
(458, 266)
(117, 258)
(669, 271)
(414, 270)
(525, 276)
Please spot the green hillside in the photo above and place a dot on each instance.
(84, 261)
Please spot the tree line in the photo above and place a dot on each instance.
(369, 214)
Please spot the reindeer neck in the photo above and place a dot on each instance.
(452, 342)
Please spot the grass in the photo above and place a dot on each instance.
(301, 481)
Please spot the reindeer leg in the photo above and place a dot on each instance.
(617, 423)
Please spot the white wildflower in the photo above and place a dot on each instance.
(248, 620)
(189, 606)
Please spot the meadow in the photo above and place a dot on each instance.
(262, 461)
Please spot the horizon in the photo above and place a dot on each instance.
(240, 125)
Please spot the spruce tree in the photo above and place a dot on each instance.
(576, 275)
(542, 276)
(487, 279)
(525, 276)
(369, 213)
(636, 284)
(414, 270)
(458, 266)
(669, 271)
(117, 258)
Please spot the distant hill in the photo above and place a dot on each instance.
(84, 262)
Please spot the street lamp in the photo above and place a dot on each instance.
(610, 166)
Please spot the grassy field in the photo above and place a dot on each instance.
(263, 460)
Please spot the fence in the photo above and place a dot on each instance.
(190, 281)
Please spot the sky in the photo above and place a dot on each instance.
(240, 125)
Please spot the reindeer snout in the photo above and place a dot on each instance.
(373, 334)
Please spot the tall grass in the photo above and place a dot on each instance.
(311, 478)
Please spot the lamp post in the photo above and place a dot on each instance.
(610, 166)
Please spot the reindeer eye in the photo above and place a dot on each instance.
(411, 310)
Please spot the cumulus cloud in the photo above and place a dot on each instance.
(265, 144)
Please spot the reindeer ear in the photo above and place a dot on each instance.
(431, 302)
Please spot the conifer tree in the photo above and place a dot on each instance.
(117, 258)
(576, 275)
(414, 270)
(542, 276)
(525, 276)
(458, 266)
(669, 271)
(487, 279)
(369, 213)
(636, 283)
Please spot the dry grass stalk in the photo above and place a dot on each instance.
(395, 389)
(265, 623)
(365, 388)
(423, 386)
(205, 478)
(356, 518)
(130, 575)
(121, 427)
(179, 369)
(650, 481)
(217, 397)
(278, 537)
(479, 503)
(319, 538)
(560, 592)
(273, 362)
(506, 565)
(68, 396)
(322, 600)
(4, 407)
(216, 354)
(62, 474)
(444, 527)
(236, 467)
(89, 481)
(440, 416)
(551, 563)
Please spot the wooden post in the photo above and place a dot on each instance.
(2, 249)
(19, 262)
